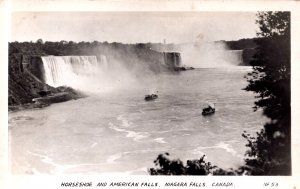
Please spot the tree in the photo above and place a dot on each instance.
(176, 167)
(270, 150)
(39, 41)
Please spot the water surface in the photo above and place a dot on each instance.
(119, 132)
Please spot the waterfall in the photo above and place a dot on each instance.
(103, 62)
(90, 74)
(69, 70)
(210, 55)
(175, 60)
(235, 56)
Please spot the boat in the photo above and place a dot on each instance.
(151, 97)
(208, 110)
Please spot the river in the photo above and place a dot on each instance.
(119, 132)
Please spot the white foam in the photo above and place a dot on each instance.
(160, 140)
(124, 121)
(112, 126)
(222, 145)
(112, 159)
(136, 136)
(227, 147)
(58, 169)
(94, 144)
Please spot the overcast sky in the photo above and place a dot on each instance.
(132, 27)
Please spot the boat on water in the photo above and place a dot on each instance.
(208, 110)
(151, 97)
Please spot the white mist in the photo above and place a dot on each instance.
(209, 55)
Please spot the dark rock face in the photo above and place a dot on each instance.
(35, 66)
(44, 93)
(72, 93)
(53, 98)
(22, 85)
(172, 59)
(183, 68)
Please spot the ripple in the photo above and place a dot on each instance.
(222, 145)
(58, 169)
(137, 136)
(160, 140)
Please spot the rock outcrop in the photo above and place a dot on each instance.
(172, 59)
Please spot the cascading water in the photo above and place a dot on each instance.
(69, 70)
(235, 56)
(103, 61)
(89, 74)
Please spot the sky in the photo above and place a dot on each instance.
(132, 27)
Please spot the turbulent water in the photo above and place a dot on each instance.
(120, 132)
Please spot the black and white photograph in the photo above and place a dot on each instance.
(135, 93)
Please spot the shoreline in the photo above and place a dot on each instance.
(28, 106)
(65, 94)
